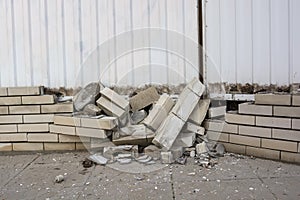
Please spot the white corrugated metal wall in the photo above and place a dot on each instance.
(253, 41)
(43, 42)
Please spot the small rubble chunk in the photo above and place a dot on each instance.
(167, 157)
(60, 178)
(159, 112)
(201, 148)
(92, 110)
(124, 160)
(99, 159)
(144, 99)
(137, 116)
(87, 95)
(109, 152)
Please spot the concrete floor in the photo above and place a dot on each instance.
(31, 176)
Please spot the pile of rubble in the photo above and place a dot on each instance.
(151, 127)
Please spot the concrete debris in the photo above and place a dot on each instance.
(59, 179)
(110, 108)
(124, 160)
(87, 95)
(110, 152)
(144, 159)
(199, 112)
(87, 163)
(167, 157)
(92, 110)
(192, 154)
(99, 159)
(115, 98)
(201, 148)
(152, 151)
(137, 116)
(181, 160)
(191, 127)
(144, 99)
(185, 139)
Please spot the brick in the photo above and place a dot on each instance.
(106, 123)
(186, 103)
(11, 119)
(3, 110)
(24, 91)
(57, 108)
(273, 122)
(8, 128)
(220, 126)
(285, 111)
(144, 99)
(72, 138)
(24, 109)
(239, 119)
(234, 148)
(5, 146)
(190, 127)
(3, 91)
(168, 132)
(82, 146)
(67, 120)
(6, 101)
(185, 140)
(199, 112)
(214, 112)
(28, 146)
(286, 134)
(159, 112)
(45, 99)
(298, 147)
(110, 108)
(13, 137)
(115, 98)
(66, 130)
(273, 99)
(279, 145)
(217, 136)
(255, 131)
(41, 118)
(42, 137)
(90, 132)
(296, 124)
(252, 109)
(59, 146)
(263, 153)
(290, 157)
(196, 86)
(296, 100)
(33, 127)
(245, 140)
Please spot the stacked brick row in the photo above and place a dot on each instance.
(25, 116)
(269, 128)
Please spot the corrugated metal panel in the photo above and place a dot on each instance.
(253, 41)
(43, 42)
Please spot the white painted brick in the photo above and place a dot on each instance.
(59, 146)
(3, 110)
(90, 132)
(185, 104)
(57, 108)
(115, 98)
(67, 120)
(42, 137)
(239, 119)
(13, 137)
(279, 145)
(255, 131)
(110, 108)
(28, 146)
(245, 140)
(41, 118)
(66, 130)
(71, 138)
(285, 111)
(168, 131)
(11, 119)
(217, 136)
(24, 109)
(3, 91)
(274, 122)
(286, 134)
(263, 153)
(296, 124)
(252, 109)
(33, 127)
(290, 157)
(220, 126)
(45, 99)
(199, 112)
(24, 91)
(5, 146)
(296, 100)
(8, 128)
(273, 99)
(159, 112)
(6, 101)
(107, 123)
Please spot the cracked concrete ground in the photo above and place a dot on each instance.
(31, 176)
